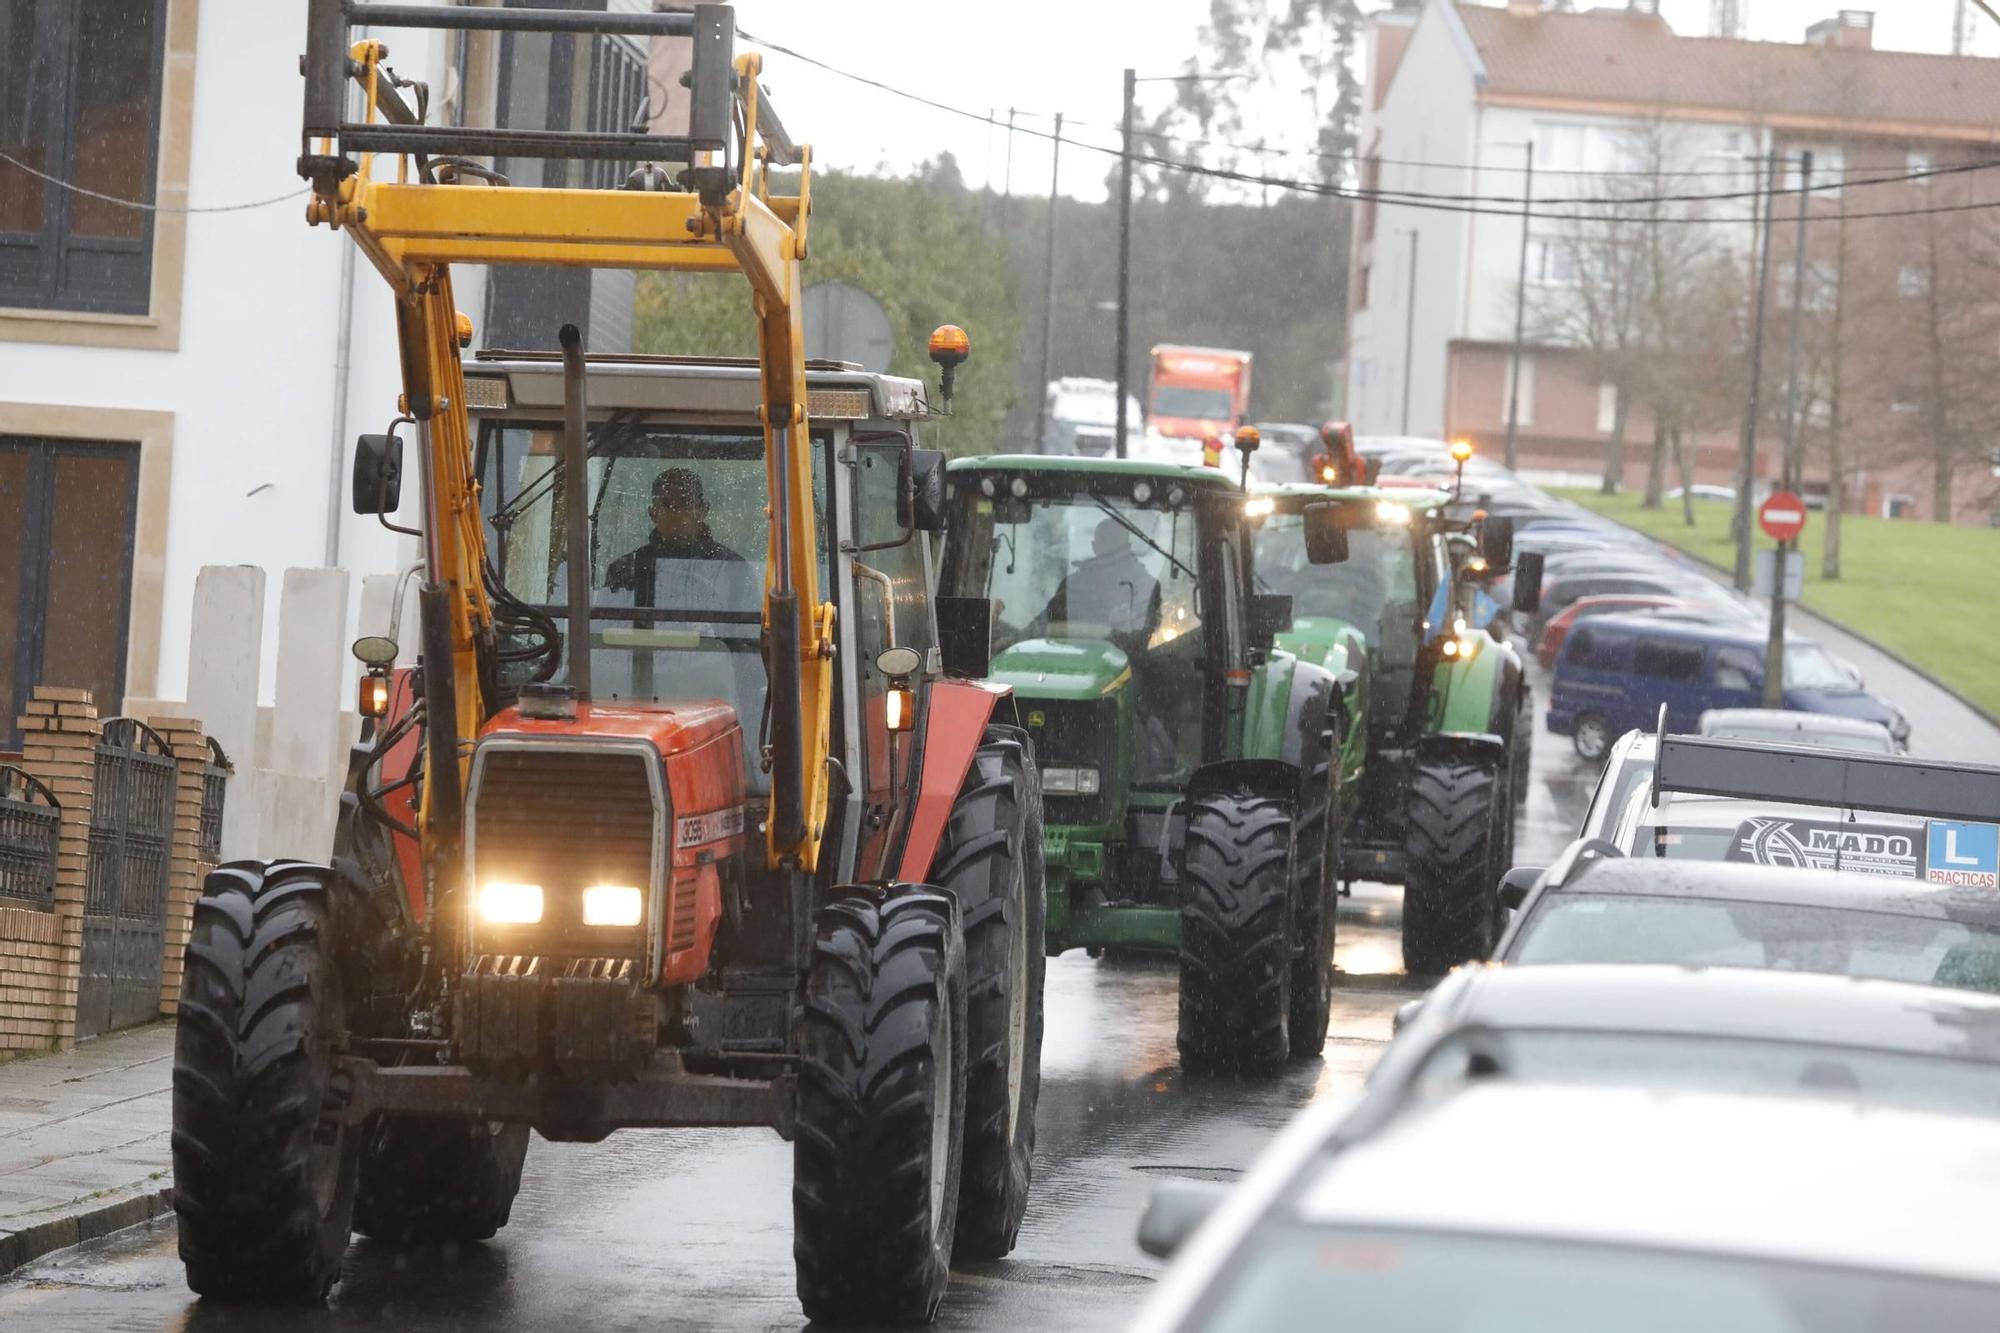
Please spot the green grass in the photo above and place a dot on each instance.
(1925, 591)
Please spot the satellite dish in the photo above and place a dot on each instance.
(844, 323)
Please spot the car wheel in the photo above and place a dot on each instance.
(1593, 737)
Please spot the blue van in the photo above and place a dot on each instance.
(1616, 671)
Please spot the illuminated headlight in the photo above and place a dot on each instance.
(1258, 507)
(1142, 492)
(612, 905)
(1460, 647)
(1391, 512)
(503, 904)
(1070, 781)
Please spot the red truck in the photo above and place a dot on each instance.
(1198, 391)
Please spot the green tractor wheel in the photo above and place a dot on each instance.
(1452, 843)
(1236, 936)
(1315, 874)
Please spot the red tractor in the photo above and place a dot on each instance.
(691, 812)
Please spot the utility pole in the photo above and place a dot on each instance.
(1049, 286)
(1774, 649)
(1520, 317)
(1125, 256)
(986, 176)
(1961, 29)
(1410, 328)
(1742, 527)
(1007, 172)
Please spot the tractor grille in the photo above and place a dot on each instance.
(564, 816)
(1075, 734)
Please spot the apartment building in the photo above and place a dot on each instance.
(1616, 105)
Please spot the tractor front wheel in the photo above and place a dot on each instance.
(1316, 873)
(1236, 936)
(990, 861)
(263, 1175)
(1450, 846)
(881, 1110)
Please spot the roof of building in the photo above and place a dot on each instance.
(1615, 56)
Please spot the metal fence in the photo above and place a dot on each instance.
(125, 903)
(214, 791)
(30, 824)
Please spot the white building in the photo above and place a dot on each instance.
(1455, 93)
(181, 384)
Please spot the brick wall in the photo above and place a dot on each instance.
(41, 952)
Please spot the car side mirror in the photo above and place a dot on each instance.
(1528, 582)
(926, 490)
(965, 635)
(1496, 540)
(1326, 540)
(1515, 884)
(378, 474)
(1270, 616)
(1174, 1213)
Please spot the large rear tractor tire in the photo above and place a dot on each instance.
(1236, 936)
(427, 1180)
(1315, 876)
(881, 1112)
(1451, 841)
(263, 1182)
(990, 860)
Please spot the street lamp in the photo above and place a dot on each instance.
(1132, 80)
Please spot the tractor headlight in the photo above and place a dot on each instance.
(612, 905)
(1070, 781)
(504, 904)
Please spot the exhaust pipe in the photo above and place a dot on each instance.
(576, 508)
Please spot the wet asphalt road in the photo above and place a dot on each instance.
(692, 1230)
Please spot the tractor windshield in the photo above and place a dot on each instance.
(677, 544)
(1377, 581)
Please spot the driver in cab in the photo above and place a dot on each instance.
(681, 564)
(1110, 588)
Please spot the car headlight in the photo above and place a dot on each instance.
(612, 905)
(1071, 781)
(504, 904)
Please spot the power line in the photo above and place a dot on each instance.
(1445, 203)
(144, 207)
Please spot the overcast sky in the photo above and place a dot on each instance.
(1043, 56)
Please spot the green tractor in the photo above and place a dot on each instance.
(1187, 764)
(1436, 771)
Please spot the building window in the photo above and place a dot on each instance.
(1912, 281)
(81, 103)
(1551, 263)
(1561, 147)
(1829, 171)
(1607, 408)
(66, 532)
(1527, 383)
(1917, 161)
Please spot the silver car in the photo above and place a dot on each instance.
(1785, 726)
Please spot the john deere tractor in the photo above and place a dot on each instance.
(1435, 771)
(1187, 764)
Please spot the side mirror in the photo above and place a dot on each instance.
(378, 474)
(1528, 582)
(1326, 540)
(1270, 616)
(1174, 1213)
(1515, 884)
(926, 490)
(1496, 541)
(965, 635)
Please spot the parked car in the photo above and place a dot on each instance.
(1703, 491)
(1628, 765)
(1589, 909)
(1496, 1174)
(1588, 608)
(1615, 672)
(1785, 726)
(1564, 589)
(1762, 830)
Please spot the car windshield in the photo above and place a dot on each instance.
(1568, 927)
(1293, 1277)
(677, 544)
(1808, 667)
(1380, 573)
(1184, 400)
(1831, 740)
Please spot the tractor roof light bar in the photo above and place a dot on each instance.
(328, 63)
(1891, 784)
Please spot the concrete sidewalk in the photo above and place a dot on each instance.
(84, 1142)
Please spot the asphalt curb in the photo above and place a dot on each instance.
(22, 1247)
(1728, 578)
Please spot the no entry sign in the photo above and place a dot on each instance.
(1783, 516)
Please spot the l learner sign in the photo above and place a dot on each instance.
(1964, 855)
